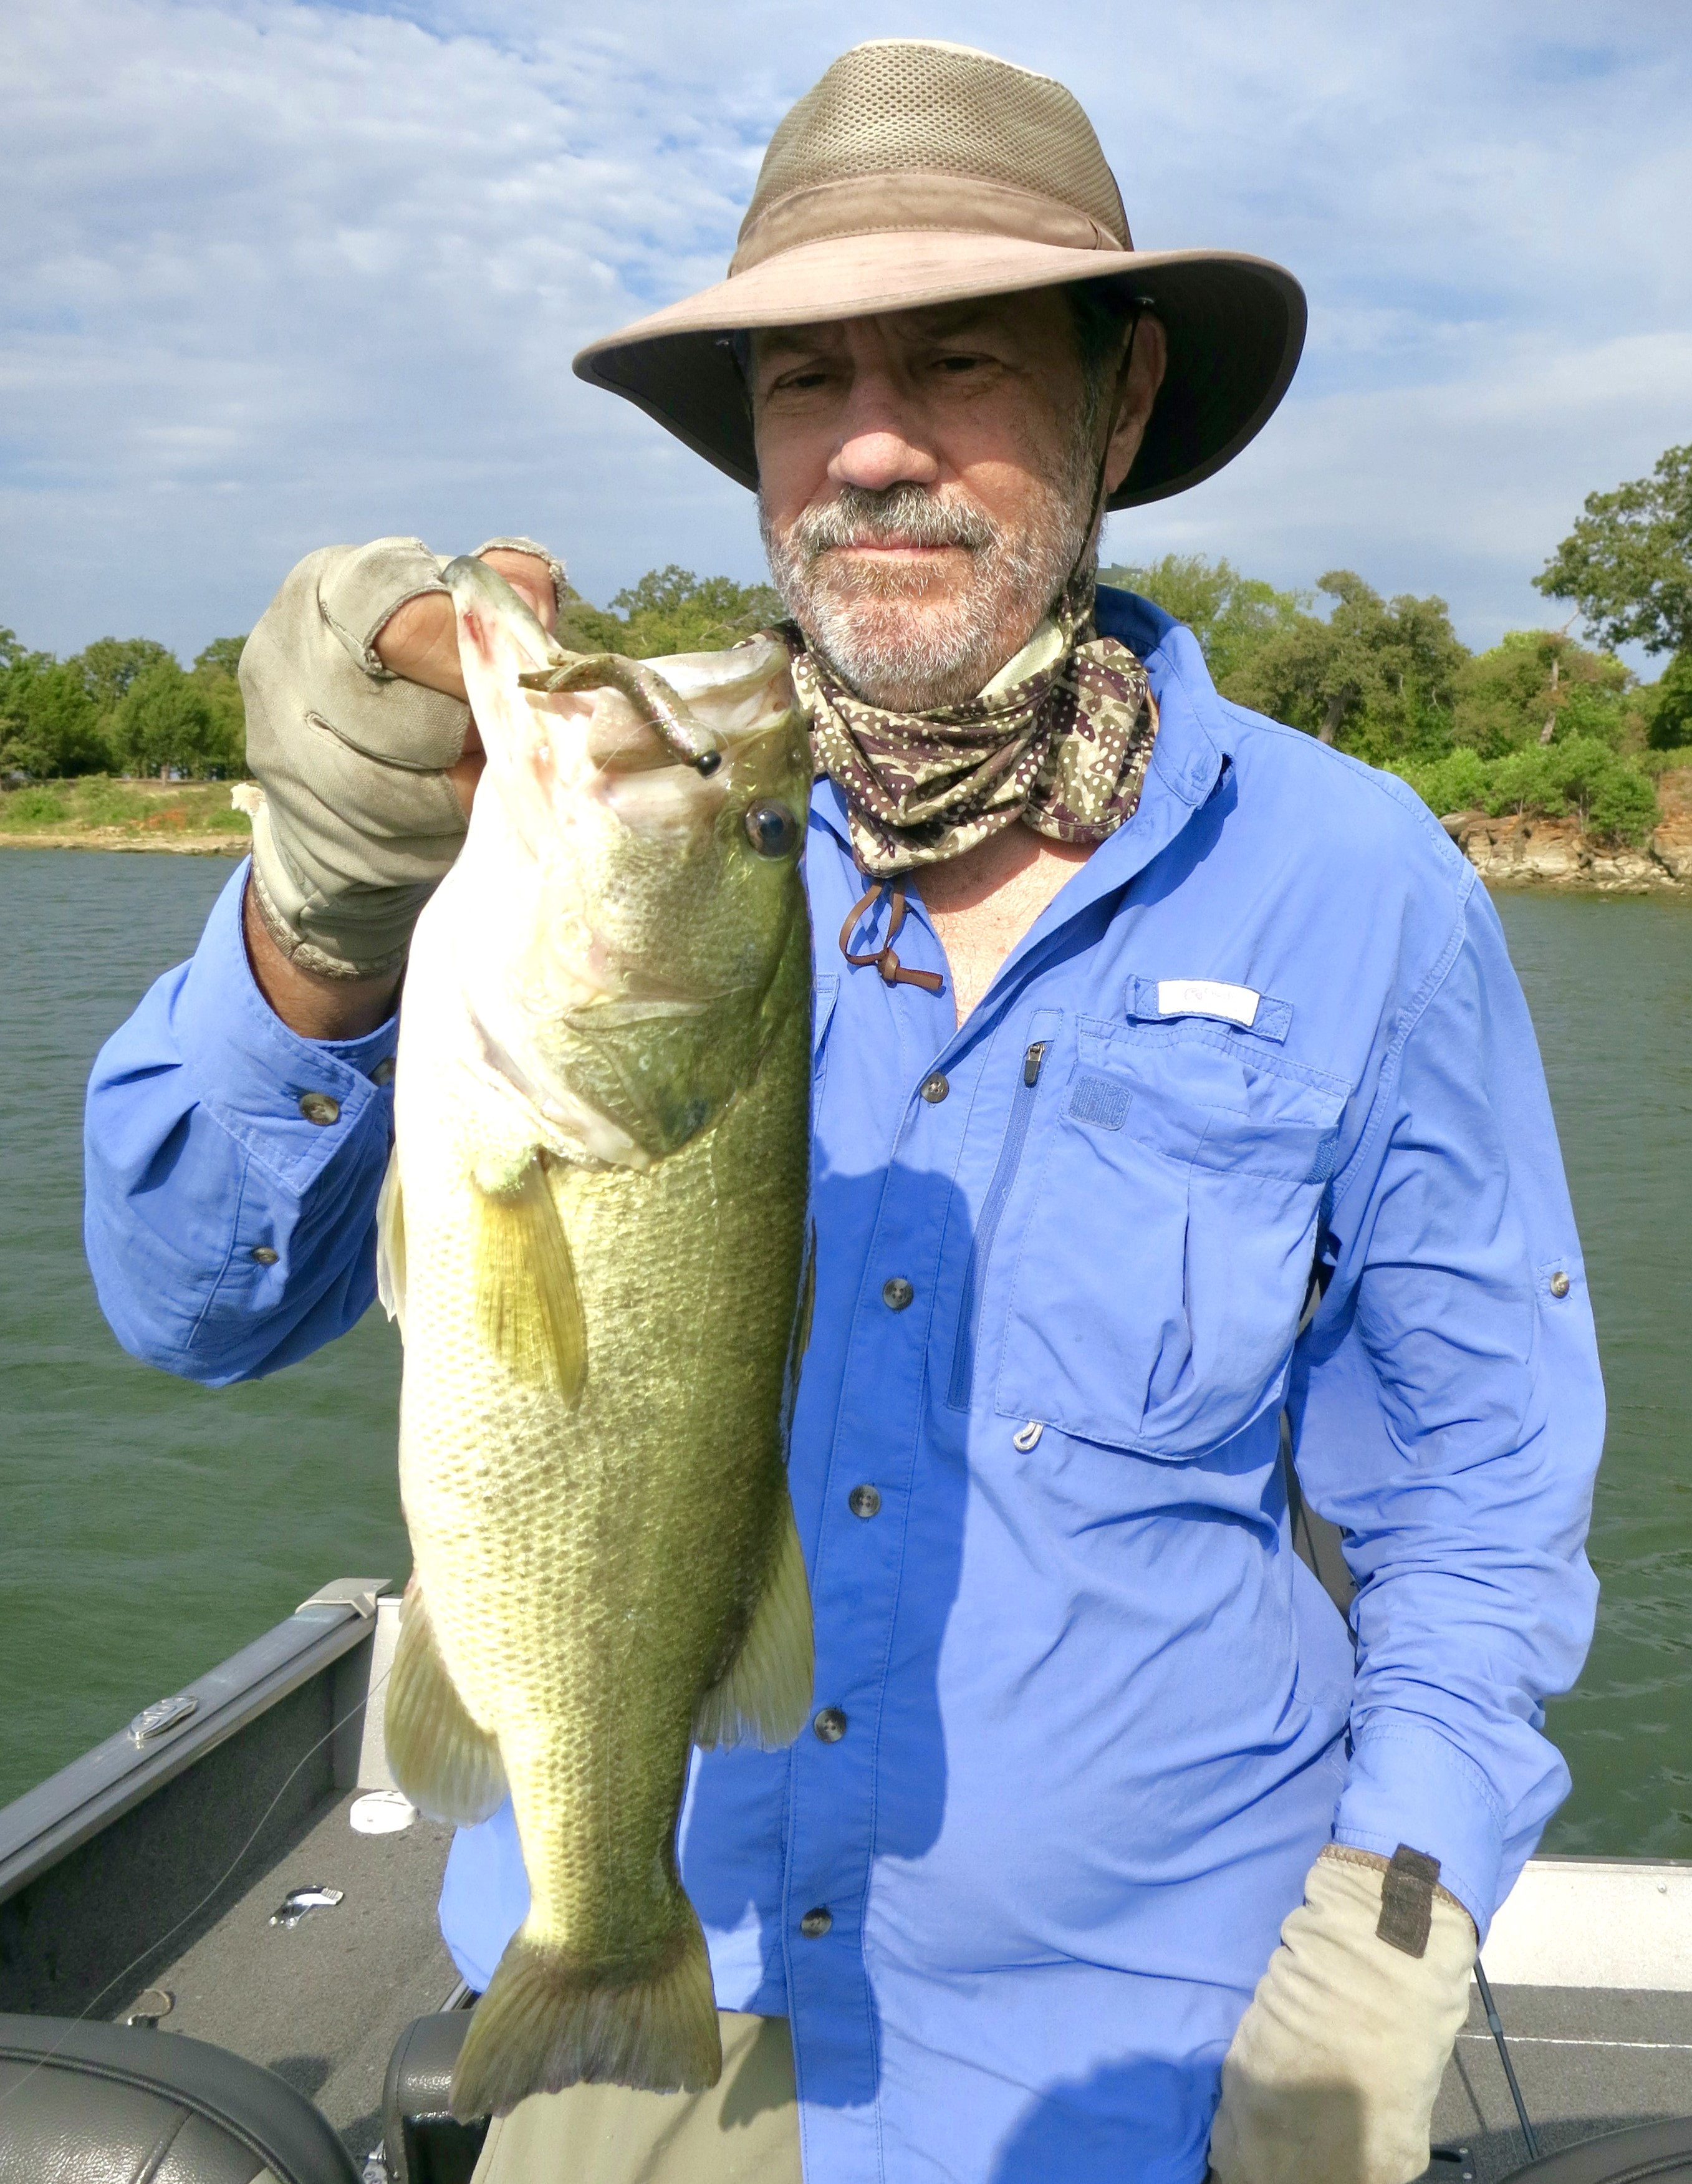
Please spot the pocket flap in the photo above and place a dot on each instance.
(1161, 1000)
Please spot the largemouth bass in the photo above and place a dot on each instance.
(592, 1234)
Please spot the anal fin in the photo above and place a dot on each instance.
(765, 1695)
(448, 1767)
(528, 1306)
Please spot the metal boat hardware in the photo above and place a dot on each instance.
(160, 1718)
(298, 1902)
(149, 2006)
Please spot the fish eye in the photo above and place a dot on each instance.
(771, 829)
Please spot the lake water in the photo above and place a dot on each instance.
(150, 1527)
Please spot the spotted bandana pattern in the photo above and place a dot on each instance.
(1064, 749)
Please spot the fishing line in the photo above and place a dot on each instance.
(216, 1888)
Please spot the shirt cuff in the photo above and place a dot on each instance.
(292, 1103)
(1408, 1785)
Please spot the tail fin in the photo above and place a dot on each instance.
(544, 2024)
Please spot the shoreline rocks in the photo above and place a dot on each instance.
(115, 839)
(1515, 851)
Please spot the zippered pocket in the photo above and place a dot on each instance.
(824, 992)
(1044, 1026)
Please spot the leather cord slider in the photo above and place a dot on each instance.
(884, 959)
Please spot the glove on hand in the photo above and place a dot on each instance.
(358, 825)
(1332, 2073)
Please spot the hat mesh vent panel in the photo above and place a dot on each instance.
(904, 106)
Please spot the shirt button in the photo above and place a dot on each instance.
(383, 1072)
(896, 1292)
(265, 1254)
(1560, 1285)
(317, 1107)
(935, 1088)
(830, 1725)
(815, 1924)
(864, 1501)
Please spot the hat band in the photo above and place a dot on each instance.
(867, 204)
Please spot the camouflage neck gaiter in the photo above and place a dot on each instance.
(1063, 747)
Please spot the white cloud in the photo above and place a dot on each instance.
(274, 273)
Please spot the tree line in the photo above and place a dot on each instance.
(120, 706)
(1538, 723)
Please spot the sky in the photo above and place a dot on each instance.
(274, 274)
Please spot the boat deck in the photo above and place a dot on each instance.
(322, 2004)
(1588, 2060)
(157, 1863)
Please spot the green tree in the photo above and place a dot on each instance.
(1461, 781)
(165, 720)
(214, 676)
(583, 627)
(1539, 686)
(1669, 701)
(222, 656)
(110, 664)
(50, 727)
(1231, 617)
(1628, 563)
(1580, 775)
(1378, 677)
(673, 610)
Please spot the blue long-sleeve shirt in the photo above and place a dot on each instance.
(1100, 1719)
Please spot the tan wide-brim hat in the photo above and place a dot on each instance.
(917, 173)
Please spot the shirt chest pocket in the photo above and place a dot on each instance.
(1164, 1264)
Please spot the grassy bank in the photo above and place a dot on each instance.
(99, 813)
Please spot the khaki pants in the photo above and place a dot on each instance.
(745, 2131)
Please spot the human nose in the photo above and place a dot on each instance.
(881, 444)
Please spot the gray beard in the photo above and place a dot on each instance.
(878, 631)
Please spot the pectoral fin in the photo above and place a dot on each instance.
(391, 1243)
(528, 1306)
(765, 1695)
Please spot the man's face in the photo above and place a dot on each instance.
(926, 482)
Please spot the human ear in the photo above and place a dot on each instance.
(1148, 357)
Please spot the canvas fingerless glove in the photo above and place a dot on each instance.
(1334, 2067)
(358, 824)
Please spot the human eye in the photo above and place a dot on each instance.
(809, 376)
(956, 365)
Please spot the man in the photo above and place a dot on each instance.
(1173, 1094)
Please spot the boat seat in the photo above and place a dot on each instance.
(1647, 2153)
(426, 2143)
(88, 2104)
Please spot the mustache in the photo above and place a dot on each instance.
(905, 515)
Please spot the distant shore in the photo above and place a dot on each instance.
(1516, 851)
(194, 819)
(180, 818)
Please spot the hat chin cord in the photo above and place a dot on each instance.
(1142, 305)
